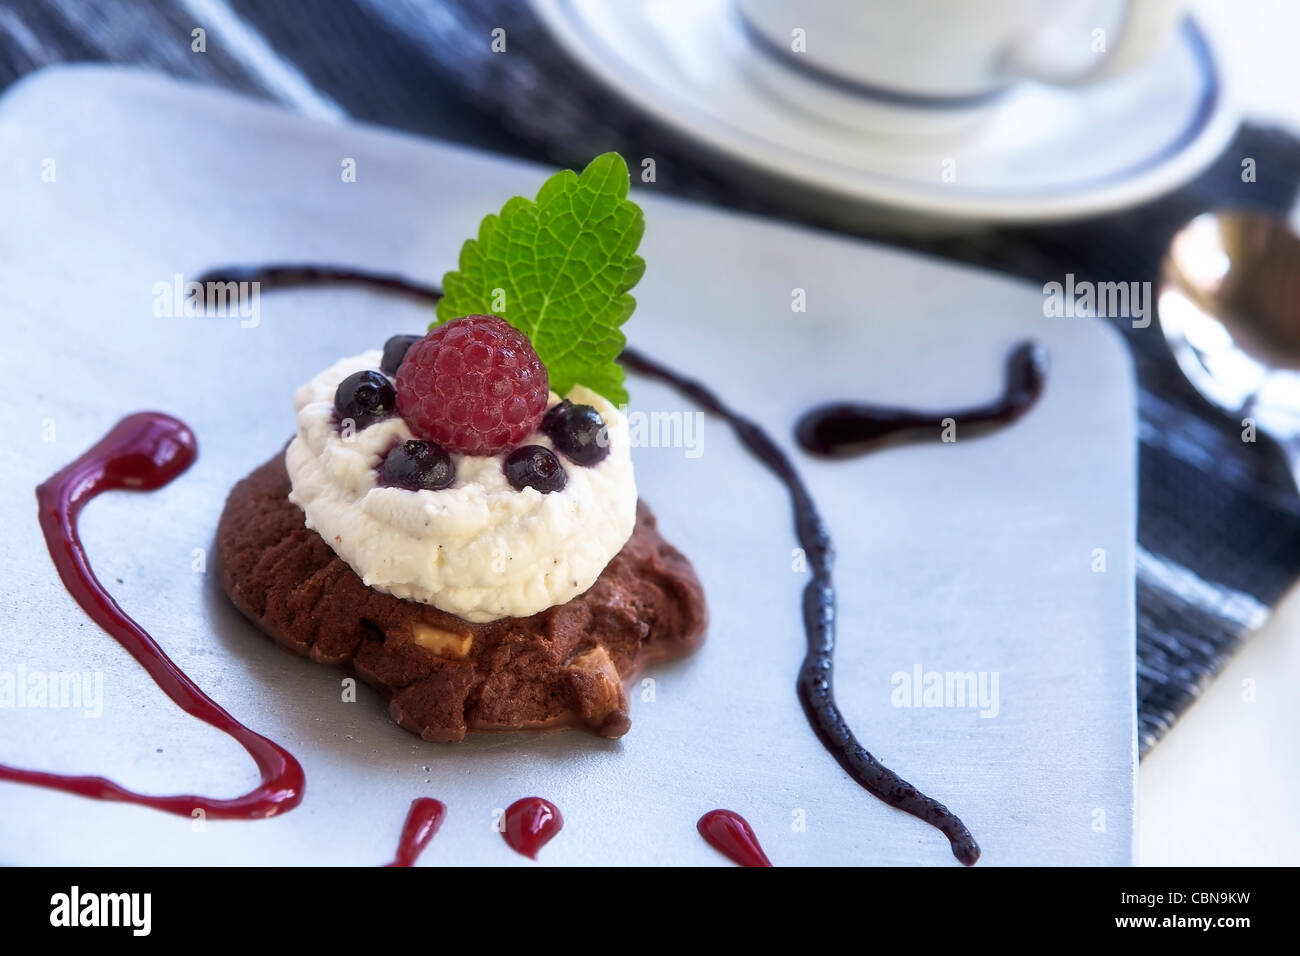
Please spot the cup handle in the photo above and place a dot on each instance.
(1143, 27)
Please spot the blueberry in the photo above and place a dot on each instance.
(578, 431)
(534, 466)
(418, 466)
(365, 397)
(395, 350)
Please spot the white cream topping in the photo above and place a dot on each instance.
(478, 549)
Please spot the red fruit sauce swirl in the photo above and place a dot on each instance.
(731, 835)
(144, 452)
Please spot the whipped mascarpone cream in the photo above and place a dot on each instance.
(479, 549)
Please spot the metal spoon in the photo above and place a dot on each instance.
(1229, 306)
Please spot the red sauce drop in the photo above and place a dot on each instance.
(422, 822)
(531, 823)
(143, 452)
(730, 834)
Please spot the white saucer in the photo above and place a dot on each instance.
(1040, 154)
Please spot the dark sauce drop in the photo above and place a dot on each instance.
(815, 690)
(731, 835)
(422, 822)
(844, 429)
(143, 452)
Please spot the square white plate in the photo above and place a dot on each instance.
(971, 556)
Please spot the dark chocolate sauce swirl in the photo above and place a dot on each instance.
(815, 689)
(816, 692)
(844, 429)
(281, 276)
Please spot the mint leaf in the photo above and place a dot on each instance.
(559, 269)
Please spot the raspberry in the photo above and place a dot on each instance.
(473, 385)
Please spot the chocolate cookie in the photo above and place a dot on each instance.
(445, 676)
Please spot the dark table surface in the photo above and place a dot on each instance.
(1219, 521)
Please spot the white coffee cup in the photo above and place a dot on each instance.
(948, 55)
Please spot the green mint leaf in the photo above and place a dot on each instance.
(559, 268)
